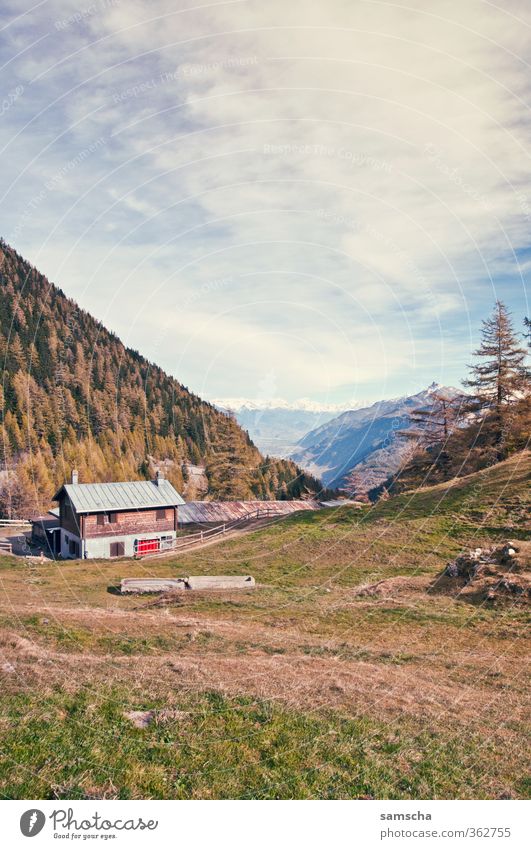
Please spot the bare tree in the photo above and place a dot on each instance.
(433, 423)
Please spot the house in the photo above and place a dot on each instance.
(115, 519)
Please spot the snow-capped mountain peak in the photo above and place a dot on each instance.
(237, 404)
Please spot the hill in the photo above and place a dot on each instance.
(360, 449)
(74, 395)
(349, 672)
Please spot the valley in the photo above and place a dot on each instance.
(353, 450)
(277, 429)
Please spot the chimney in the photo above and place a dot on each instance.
(159, 477)
(75, 476)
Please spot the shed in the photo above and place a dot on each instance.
(209, 513)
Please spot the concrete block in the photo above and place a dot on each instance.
(220, 582)
(151, 585)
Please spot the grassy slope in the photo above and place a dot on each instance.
(305, 687)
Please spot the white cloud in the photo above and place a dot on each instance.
(364, 163)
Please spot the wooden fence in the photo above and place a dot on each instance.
(190, 540)
(10, 523)
(6, 547)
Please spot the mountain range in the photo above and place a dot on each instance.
(352, 450)
(360, 449)
(276, 426)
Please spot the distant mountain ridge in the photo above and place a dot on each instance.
(277, 430)
(301, 405)
(359, 449)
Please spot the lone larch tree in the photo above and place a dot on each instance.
(499, 378)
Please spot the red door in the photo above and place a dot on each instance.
(144, 546)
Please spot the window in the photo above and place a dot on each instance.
(107, 518)
(117, 549)
(73, 548)
(166, 542)
(161, 515)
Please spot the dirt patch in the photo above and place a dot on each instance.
(389, 587)
(144, 718)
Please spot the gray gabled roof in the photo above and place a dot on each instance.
(206, 512)
(129, 495)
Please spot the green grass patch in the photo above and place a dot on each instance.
(80, 746)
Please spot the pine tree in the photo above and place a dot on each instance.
(15, 354)
(499, 377)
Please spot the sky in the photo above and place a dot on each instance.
(275, 200)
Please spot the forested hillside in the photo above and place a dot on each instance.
(73, 395)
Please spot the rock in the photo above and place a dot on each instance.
(509, 556)
(140, 718)
(465, 566)
(511, 587)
